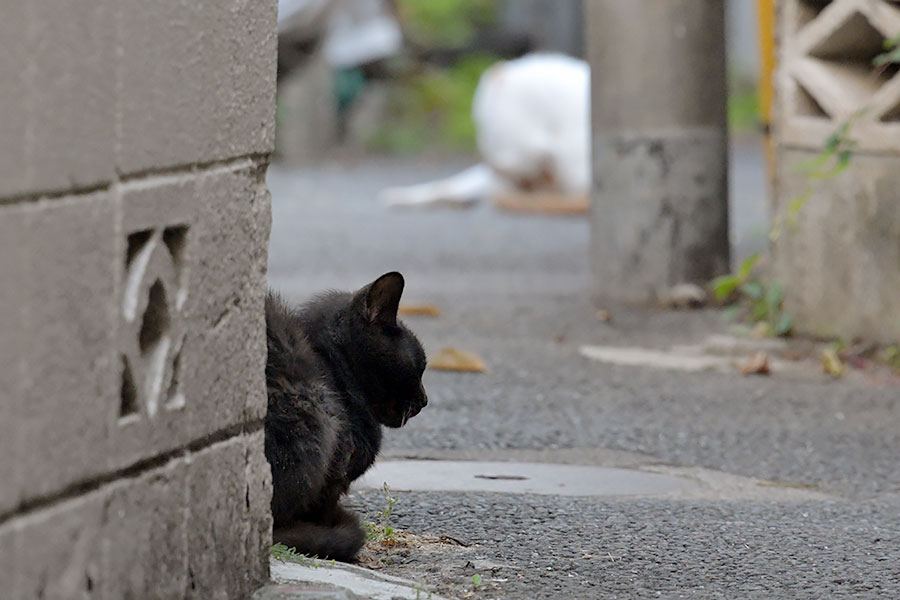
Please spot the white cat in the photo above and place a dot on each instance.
(532, 120)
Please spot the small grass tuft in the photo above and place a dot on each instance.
(753, 301)
(285, 554)
(382, 532)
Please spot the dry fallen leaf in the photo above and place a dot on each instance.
(603, 315)
(454, 359)
(684, 295)
(758, 364)
(831, 362)
(419, 310)
(543, 202)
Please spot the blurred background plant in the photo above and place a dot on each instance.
(400, 74)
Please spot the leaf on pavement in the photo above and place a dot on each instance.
(454, 359)
(419, 310)
(758, 364)
(831, 362)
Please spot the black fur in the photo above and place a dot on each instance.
(339, 367)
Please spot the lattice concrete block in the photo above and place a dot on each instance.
(196, 81)
(140, 316)
(70, 319)
(193, 252)
(841, 259)
(826, 75)
(152, 413)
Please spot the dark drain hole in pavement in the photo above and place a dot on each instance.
(502, 477)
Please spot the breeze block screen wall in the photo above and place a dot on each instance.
(837, 247)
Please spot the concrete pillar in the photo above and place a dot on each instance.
(659, 206)
(134, 221)
(838, 244)
(307, 116)
(552, 25)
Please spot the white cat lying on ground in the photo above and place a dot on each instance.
(532, 126)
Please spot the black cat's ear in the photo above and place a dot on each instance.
(380, 300)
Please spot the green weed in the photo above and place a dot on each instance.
(285, 554)
(382, 531)
(891, 357)
(891, 56)
(753, 301)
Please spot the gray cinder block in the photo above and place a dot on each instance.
(72, 93)
(196, 82)
(44, 566)
(14, 117)
(134, 224)
(14, 342)
(70, 318)
(227, 519)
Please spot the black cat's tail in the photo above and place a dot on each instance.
(340, 541)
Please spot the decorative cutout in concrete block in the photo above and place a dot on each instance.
(827, 74)
(153, 297)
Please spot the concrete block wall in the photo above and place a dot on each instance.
(840, 255)
(134, 221)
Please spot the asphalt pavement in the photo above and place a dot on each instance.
(817, 513)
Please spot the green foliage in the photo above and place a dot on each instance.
(433, 107)
(476, 580)
(836, 153)
(891, 56)
(838, 150)
(285, 554)
(383, 531)
(829, 163)
(753, 301)
(348, 85)
(444, 23)
(725, 286)
(891, 357)
(743, 110)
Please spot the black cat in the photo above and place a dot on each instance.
(339, 367)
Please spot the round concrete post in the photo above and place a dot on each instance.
(659, 204)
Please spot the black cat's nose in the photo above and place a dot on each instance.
(424, 395)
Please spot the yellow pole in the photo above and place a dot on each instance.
(766, 17)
